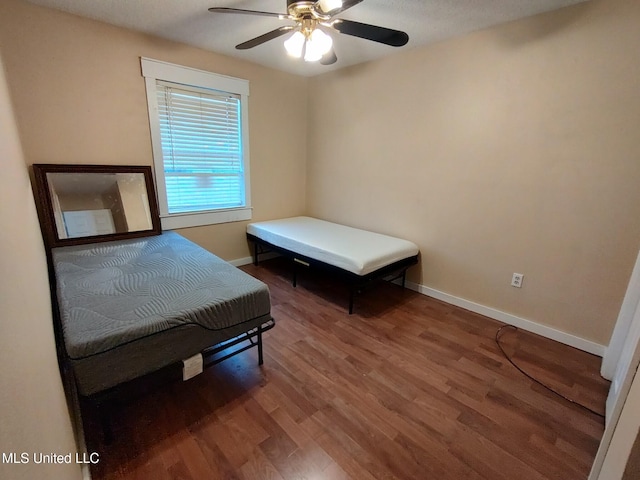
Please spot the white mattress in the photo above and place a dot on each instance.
(357, 251)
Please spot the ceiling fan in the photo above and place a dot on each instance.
(313, 19)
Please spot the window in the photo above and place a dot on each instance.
(199, 134)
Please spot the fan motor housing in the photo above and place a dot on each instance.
(299, 8)
(290, 3)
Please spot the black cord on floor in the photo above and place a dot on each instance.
(498, 335)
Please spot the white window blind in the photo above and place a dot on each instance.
(200, 138)
(201, 133)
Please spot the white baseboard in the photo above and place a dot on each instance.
(239, 262)
(523, 323)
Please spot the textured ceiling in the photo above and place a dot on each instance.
(188, 21)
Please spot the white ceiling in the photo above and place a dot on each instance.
(188, 21)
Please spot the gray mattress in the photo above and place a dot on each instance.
(130, 307)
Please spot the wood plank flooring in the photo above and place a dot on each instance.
(405, 388)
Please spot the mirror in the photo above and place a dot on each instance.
(91, 203)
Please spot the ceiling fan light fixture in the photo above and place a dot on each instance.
(311, 17)
(294, 44)
(318, 43)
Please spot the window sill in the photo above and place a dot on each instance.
(185, 220)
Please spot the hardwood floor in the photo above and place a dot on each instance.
(405, 388)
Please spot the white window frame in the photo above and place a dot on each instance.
(154, 70)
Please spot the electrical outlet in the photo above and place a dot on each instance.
(516, 280)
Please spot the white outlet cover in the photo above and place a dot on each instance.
(517, 279)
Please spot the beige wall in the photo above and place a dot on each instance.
(79, 98)
(134, 202)
(514, 149)
(80, 201)
(34, 416)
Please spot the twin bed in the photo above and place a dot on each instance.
(131, 307)
(133, 313)
(356, 256)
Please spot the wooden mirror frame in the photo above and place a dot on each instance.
(46, 210)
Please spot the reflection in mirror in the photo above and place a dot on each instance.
(80, 204)
(89, 204)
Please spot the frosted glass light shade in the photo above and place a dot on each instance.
(294, 44)
(318, 44)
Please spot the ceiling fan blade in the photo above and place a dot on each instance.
(281, 16)
(254, 42)
(388, 36)
(329, 58)
(345, 6)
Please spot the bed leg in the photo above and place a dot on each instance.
(404, 278)
(255, 253)
(351, 296)
(295, 275)
(260, 358)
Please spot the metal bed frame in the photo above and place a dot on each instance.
(356, 283)
(105, 402)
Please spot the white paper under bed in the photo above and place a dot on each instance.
(357, 251)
